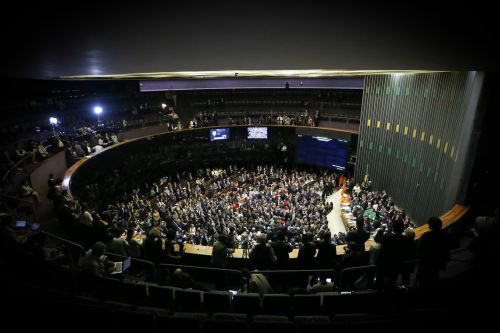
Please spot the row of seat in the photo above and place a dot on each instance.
(185, 300)
(110, 316)
(152, 308)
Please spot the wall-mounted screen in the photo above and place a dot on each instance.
(321, 151)
(217, 134)
(257, 133)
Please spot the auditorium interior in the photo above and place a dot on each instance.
(203, 167)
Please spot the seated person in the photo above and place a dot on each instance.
(182, 280)
(24, 239)
(42, 151)
(27, 191)
(353, 257)
(8, 236)
(318, 286)
(256, 283)
(95, 262)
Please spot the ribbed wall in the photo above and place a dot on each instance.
(414, 137)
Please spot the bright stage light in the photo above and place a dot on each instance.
(53, 120)
(97, 110)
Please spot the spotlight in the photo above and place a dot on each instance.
(98, 111)
(53, 121)
(163, 105)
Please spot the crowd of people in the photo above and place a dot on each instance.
(306, 118)
(268, 210)
(395, 250)
(236, 201)
(87, 142)
(376, 210)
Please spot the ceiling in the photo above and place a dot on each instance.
(53, 40)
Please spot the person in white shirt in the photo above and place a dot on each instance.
(27, 191)
(42, 151)
(98, 148)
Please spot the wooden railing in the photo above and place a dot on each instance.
(448, 218)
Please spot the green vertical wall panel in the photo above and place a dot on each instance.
(434, 103)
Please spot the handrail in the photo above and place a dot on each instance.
(63, 240)
(201, 268)
(146, 262)
(68, 253)
(24, 200)
(72, 170)
(288, 271)
(361, 269)
(14, 198)
(4, 178)
(448, 218)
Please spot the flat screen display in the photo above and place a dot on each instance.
(126, 263)
(217, 134)
(257, 133)
(21, 224)
(321, 151)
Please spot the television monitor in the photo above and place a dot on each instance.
(121, 266)
(256, 132)
(217, 134)
(322, 151)
(126, 263)
(21, 224)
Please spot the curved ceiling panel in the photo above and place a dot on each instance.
(55, 40)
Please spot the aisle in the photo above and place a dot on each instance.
(334, 219)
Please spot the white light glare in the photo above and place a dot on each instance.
(53, 120)
(98, 110)
(320, 138)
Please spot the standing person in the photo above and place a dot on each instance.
(395, 248)
(327, 252)
(116, 243)
(220, 253)
(433, 251)
(341, 181)
(307, 251)
(134, 248)
(281, 249)
(360, 235)
(170, 254)
(51, 181)
(262, 256)
(52, 185)
(152, 247)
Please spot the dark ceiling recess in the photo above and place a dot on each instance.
(54, 40)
